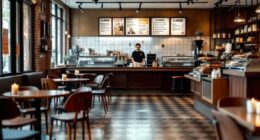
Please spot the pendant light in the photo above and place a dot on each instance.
(257, 10)
(239, 18)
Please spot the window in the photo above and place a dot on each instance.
(18, 58)
(6, 57)
(57, 32)
(27, 37)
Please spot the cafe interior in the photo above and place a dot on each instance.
(129, 70)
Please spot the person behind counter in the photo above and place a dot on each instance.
(138, 55)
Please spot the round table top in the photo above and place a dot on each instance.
(30, 94)
(71, 80)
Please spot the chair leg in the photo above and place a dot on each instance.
(69, 130)
(51, 129)
(104, 103)
(83, 128)
(75, 131)
(46, 121)
(88, 125)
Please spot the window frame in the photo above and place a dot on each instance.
(58, 47)
(13, 39)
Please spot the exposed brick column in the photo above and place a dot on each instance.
(41, 60)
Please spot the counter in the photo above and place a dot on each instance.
(140, 78)
(243, 84)
(207, 92)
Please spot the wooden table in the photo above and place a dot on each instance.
(240, 115)
(71, 80)
(37, 96)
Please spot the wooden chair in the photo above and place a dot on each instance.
(77, 107)
(31, 110)
(101, 92)
(226, 128)
(109, 85)
(97, 81)
(10, 111)
(231, 101)
(49, 84)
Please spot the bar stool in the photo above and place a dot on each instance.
(177, 85)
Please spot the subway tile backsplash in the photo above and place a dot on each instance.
(162, 46)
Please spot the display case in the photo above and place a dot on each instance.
(96, 61)
(244, 64)
(173, 61)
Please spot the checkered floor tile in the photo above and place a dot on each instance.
(137, 117)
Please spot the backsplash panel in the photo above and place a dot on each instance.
(172, 45)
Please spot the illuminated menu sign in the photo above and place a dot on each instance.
(105, 26)
(118, 26)
(178, 26)
(137, 26)
(160, 26)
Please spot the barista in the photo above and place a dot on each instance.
(138, 55)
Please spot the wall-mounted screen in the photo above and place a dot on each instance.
(105, 26)
(137, 26)
(160, 26)
(178, 26)
(118, 26)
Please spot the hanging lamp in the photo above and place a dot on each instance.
(239, 18)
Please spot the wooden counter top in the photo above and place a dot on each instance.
(192, 78)
(127, 69)
(241, 73)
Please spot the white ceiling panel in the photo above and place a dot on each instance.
(209, 4)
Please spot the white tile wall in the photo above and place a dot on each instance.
(173, 45)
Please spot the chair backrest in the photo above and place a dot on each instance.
(99, 79)
(33, 88)
(104, 83)
(110, 76)
(231, 101)
(48, 84)
(52, 76)
(226, 128)
(78, 101)
(8, 109)
(90, 76)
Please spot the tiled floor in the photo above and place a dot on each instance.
(155, 117)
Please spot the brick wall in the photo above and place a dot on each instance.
(41, 60)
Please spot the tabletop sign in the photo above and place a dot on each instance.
(137, 26)
(105, 26)
(118, 26)
(160, 26)
(178, 26)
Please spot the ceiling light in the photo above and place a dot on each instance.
(120, 6)
(257, 10)
(239, 19)
(102, 5)
(180, 10)
(139, 9)
(95, 1)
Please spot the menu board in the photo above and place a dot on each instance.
(178, 26)
(105, 26)
(137, 26)
(160, 26)
(118, 26)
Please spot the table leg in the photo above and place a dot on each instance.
(38, 126)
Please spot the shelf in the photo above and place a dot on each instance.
(223, 38)
(252, 32)
(248, 23)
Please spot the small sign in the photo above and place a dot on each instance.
(160, 26)
(105, 26)
(118, 26)
(137, 26)
(178, 26)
